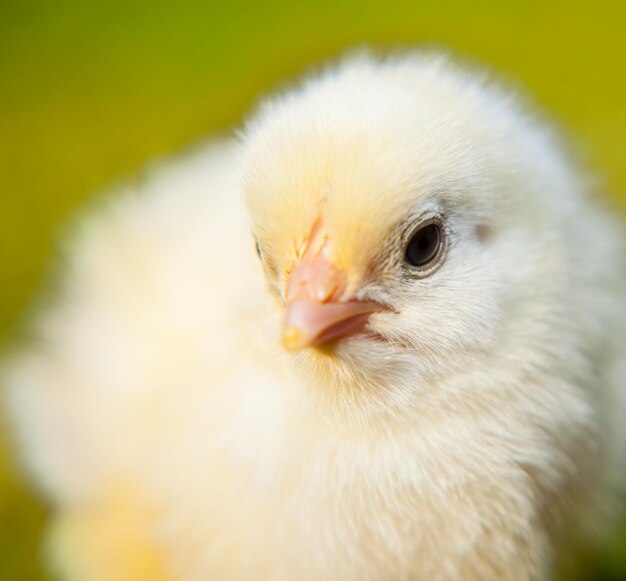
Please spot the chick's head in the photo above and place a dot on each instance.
(384, 196)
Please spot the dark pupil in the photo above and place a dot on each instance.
(423, 246)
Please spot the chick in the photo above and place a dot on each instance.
(421, 375)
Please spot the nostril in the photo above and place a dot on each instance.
(315, 278)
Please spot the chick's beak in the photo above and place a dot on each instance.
(317, 311)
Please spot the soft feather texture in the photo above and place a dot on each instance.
(178, 440)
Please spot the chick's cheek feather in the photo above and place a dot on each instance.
(413, 378)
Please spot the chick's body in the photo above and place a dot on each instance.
(473, 423)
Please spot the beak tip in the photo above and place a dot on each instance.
(293, 338)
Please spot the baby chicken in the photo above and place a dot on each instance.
(421, 375)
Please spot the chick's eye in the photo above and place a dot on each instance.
(260, 254)
(424, 246)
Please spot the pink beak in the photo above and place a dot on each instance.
(317, 312)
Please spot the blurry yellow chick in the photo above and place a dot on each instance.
(420, 376)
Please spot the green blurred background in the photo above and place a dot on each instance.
(90, 91)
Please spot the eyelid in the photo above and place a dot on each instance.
(422, 220)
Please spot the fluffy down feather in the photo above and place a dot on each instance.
(460, 435)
